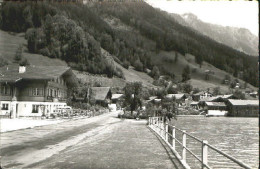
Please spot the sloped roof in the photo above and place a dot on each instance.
(157, 100)
(177, 96)
(220, 104)
(194, 103)
(225, 96)
(100, 93)
(11, 73)
(209, 99)
(152, 97)
(201, 93)
(244, 102)
(117, 96)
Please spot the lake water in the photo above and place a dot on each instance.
(238, 137)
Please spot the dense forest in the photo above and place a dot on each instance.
(75, 33)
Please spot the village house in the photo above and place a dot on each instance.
(194, 105)
(117, 98)
(101, 95)
(254, 94)
(202, 102)
(200, 95)
(180, 98)
(243, 108)
(215, 109)
(34, 91)
(215, 106)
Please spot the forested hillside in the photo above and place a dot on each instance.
(133, 32)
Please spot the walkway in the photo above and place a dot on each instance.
(99, 142)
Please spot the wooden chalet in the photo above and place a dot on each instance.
(215, 106)
(34, 90)
(102, 95)
(180, 98)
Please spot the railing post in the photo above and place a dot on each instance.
(204, 153)
(158, 129)
(173, 137)
(184, 146)
(166, 131)
(162, 129)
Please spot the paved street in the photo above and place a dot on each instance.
(99, 142)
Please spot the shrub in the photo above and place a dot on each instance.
(18, 54)
(126, 64)
(45, 52)
(24, 62)
(3, 62)
(138, 65)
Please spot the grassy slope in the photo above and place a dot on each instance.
(131, 75)
(9, 43)
(166, 59)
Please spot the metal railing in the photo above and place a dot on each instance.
(162, 129)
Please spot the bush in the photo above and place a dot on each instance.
(3, 62)
(18, 54)
(138, 65)
(45, 52)
(126, 64)
(24, 62)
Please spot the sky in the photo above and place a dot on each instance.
(243, 14)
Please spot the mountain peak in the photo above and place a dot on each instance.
(238, 38)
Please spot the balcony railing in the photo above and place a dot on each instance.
(57, 98)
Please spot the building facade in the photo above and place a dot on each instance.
(34, 91)
(243, 108)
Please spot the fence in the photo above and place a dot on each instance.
(162, 129)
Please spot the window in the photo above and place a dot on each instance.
(55, 92)
(5, 106)
(37, 92)
(5, 90)
(59, 93)
(49, 92)
(35, 108)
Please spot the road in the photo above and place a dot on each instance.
(100, 142)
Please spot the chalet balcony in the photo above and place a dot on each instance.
(56, 99)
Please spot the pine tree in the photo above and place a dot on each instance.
(186, 73)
